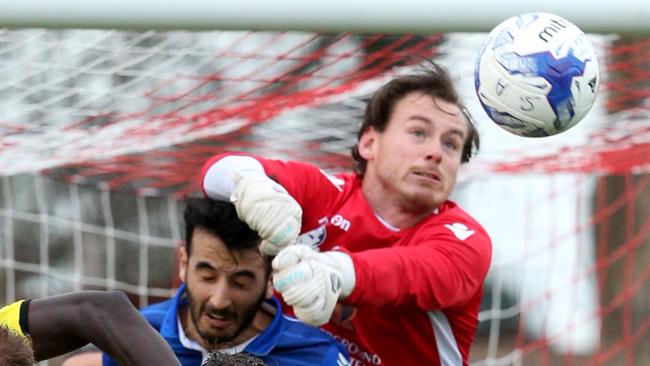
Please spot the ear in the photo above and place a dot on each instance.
(269, 288)
(182, 259)
(367, 143)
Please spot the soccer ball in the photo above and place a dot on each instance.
(536, 75)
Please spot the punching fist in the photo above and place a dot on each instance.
(312, 282)
(268, 209)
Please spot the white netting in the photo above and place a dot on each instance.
(103, 132)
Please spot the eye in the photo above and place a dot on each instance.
(241, 282)
(238, 284)
(208, 278)
(419, 133)
(452, 145)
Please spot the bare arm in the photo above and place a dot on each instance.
(62, 323)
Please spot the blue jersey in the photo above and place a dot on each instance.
(286, 341)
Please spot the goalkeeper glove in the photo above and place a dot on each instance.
(313, 282)
(268, 209)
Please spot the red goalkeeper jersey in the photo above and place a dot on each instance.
(418, 289)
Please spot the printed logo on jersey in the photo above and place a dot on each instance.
(337, 182)
(314, 238)
(342, 361)
(340, 222)
(359, 356)
(461, 231)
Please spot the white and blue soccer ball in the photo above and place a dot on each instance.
(537, 75)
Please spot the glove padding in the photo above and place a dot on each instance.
(268, 209)
(312, 282)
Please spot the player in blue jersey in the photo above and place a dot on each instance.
(226, 301)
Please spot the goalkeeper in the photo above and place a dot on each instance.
(389, 264)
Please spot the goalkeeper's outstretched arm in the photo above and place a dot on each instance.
(263, 204)
(62, 323)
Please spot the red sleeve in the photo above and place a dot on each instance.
(315, 191)
(439, 272)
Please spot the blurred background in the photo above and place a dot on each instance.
(103, 133)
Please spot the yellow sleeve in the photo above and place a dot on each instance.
(10, 317)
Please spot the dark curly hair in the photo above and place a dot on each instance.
(220, 219)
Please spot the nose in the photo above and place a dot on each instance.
(220, 295)
(434, 152)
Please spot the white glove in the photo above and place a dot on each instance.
(312, 282)
(268, 209)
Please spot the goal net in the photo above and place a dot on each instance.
(103, 133)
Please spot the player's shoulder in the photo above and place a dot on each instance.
(451, 210)
(11, 310)
(349, 177)
(307, 336)
(14, 316)
(348, 186)
(308, 345)
(343, 182)
(156, 313)
(452, 218)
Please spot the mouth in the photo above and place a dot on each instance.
(218, 321)
(430, 176)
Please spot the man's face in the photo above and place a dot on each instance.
(415, 161)
(225, 290)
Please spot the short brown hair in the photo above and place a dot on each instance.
(15, 350)
(434, 81)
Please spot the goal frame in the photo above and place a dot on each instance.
(358, 16)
